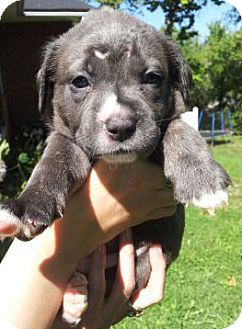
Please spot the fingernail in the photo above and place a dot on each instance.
(7, 229)
(156, 249)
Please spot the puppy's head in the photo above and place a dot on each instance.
(110, 82)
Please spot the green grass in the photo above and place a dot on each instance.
(198, 294)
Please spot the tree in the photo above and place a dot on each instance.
(195, 54)
(111, 3)
(217, 67)
(179, 14)
(234, 16)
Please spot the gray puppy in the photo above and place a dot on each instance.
(113, 87)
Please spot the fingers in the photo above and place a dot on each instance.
(7, 229)
(102, 313)
(75, 300)
(164, 196)
(116, 307)
(161, 204)
(157, 204)
(125, 280)
(139, 171)
(97, 282)
(160, 213)
(153, 292)
(126, 264)
(97, 287)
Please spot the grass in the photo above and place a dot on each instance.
(204, 286)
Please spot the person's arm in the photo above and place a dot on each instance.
(33, 274)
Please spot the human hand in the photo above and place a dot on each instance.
(117, 197)
(104, 311)
(121, 196)
(111, 200)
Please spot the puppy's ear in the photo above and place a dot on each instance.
(180, 77)
(45, 80)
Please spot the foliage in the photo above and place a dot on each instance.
(204, 286)
(25, 152)
(217, 66)
(234, 16)
(224, 51)
(111, 3)
(17, 163)
(4, 151)
(179, 14)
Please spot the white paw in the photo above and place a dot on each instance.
(9, 223)
(75, 300)
(212, 201)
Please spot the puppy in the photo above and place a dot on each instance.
(113, 87)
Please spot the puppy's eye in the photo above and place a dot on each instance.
(152, 78)
(80, 82)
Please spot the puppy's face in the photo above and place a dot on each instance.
(110, 82)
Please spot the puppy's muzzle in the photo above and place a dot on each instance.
(120, 128)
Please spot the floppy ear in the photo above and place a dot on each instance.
(180, 77)
(45, 81)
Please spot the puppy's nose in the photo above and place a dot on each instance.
(121, 129)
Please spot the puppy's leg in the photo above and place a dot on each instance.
(61, 167)
(197, 178)
(75, 300)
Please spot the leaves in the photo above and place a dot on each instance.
(25, 152)
(217, 65)
(179, 14)
(185, 2)
(4, 149)
(111, 3)
(23, 158)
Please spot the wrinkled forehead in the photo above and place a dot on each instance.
(116, 50)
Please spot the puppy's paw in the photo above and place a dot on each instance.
(75, 300)
(205, 187)
(21, 220)
(212, 201)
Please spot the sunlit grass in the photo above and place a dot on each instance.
(204, 286)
